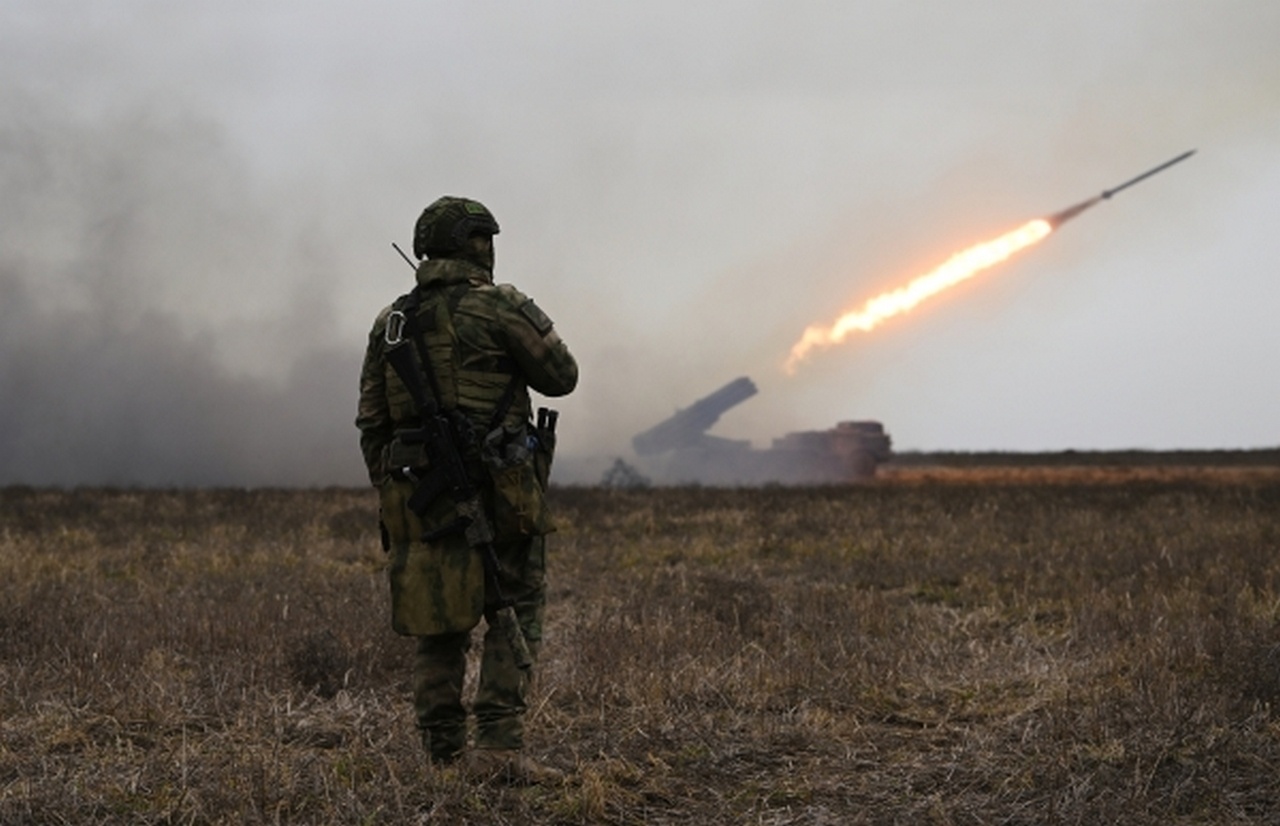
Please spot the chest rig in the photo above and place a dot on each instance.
(422, 347)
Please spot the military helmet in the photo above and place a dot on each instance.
(445, 225)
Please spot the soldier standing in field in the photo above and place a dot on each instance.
(462, 482)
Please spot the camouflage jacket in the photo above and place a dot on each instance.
(479, 335)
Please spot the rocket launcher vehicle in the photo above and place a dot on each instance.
(678, 450)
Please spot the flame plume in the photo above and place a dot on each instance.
(958, 268)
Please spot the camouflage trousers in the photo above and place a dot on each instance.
(502, 689)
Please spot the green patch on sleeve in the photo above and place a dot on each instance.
(540, 321)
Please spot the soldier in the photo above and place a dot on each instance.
(478, 349)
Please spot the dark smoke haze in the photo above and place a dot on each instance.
(109, 372)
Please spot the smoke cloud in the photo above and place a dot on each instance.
(126, 245)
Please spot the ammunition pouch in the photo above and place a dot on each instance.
(518, 461)
(519, 505)
(406, 455)
(433, 458)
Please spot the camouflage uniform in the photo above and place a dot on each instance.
(488, 345)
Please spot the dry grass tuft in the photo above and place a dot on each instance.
(960, 647)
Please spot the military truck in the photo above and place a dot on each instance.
(678, 450)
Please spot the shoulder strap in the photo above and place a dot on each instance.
(406, 355)
(412, 301)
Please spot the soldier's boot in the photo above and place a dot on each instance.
(511, 766)
(443, 745)
(438, 673)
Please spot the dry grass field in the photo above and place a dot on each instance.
(947, 646)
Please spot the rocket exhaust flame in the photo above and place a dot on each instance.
(959, 267)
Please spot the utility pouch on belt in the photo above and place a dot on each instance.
(407, 454)
(510, 455)
(519, 506)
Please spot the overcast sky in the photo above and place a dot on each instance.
(199, 201)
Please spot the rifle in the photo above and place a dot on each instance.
(440, 433)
